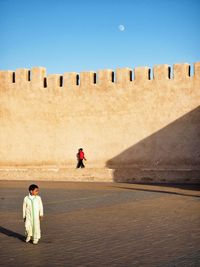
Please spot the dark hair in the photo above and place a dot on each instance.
(32, 187)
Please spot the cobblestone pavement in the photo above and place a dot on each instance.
(103, 224)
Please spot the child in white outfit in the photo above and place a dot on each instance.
(32, 214)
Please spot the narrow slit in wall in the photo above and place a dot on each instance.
(29, 76)
(61, 81)
(13, 77)
(45, 82)
(113, 77)
(77, 80)
(149, 74)
(95, 78)
(131, 75)
(169, 72)
(189, 71)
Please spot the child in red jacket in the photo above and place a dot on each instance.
(80, 158)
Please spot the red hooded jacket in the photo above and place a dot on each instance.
(81, 155)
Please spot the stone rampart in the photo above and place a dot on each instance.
(143, 126)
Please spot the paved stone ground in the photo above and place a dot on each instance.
(103, 224)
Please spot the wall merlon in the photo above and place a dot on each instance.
(181, 71)
(197, 70)
(142, 73)
(70, 79)
(6, 77)
(22, 76)
(87, 78)
(37, 76)
(161, 72)
(105, 76)
(123, 76)
(54, 80)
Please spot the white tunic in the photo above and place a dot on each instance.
(32, 210)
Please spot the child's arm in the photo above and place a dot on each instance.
(41, 213)
(24, 209)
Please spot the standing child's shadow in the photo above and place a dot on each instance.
(11, 233)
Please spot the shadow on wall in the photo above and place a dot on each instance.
(172, 154)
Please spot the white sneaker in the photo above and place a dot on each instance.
(28, 239)
(35, 242)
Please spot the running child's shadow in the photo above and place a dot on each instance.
(11, 233)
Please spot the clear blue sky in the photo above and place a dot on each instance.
(81, 35)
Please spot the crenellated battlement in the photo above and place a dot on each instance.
(143, 123)
(37, 76)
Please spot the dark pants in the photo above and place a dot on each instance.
(80, 164)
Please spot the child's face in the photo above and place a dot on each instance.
(34, 192)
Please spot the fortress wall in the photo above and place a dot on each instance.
(122, 119)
